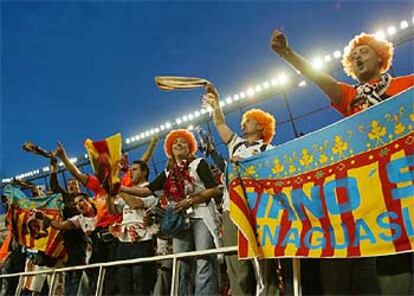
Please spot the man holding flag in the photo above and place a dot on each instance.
(258, 128)
(367, 60)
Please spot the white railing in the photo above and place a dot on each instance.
(175, 269)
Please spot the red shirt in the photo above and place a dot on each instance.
(103, 217)
(348, 93)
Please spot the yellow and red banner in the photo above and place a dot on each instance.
(105, 158)
(30, 230)
(346, 190)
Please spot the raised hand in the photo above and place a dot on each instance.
(60, 151)
(211, 98)
(279, 42)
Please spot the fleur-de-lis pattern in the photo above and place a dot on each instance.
(340, 146)
(377, 132)
(306, 159)
(370, 129)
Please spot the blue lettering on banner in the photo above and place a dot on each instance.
(321, 241)
(280, 202)
(312, 204)
(354, 200)
(398, 171)
(292, 239)
(268, 234)
(363, 232)
(408, 222)
(334, 242)
(383, 222)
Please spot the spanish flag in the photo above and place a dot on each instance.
(105, 157)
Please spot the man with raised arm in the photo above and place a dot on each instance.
(367, 60)
(258, 131)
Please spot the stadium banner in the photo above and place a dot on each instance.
(346, 190)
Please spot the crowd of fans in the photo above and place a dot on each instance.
(186, 208)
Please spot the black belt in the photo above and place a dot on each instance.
(102, 235)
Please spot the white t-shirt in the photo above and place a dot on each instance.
(241, 148)
(132, 228)
(87, 224)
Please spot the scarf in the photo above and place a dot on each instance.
(179, 182)
(370, 94)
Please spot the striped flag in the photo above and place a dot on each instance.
(30, 231)
(105, 158)
(346, 190)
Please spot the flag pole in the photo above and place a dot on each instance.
(297, 287)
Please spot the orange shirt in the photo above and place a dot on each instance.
(103, 217)
(348, 93)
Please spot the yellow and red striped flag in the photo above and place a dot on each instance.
(105, 157)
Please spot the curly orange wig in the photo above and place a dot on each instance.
(266, 120)
(383, 49)
(180, 133)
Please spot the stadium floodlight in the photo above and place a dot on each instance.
(157, 130)
(197, 113)
(302, 83)
(327, 58)
(184, 118)
(250, 92)
(317, 63)
(266, 84)
(242, 95)
(403, 25)
(178, 121)
(380, 35)
(229, 100)
(283, 79)
(337, 54)
(258, 88)
(190, 116)
(236, 97)
(168, 125)
(274, 82)
(391, 30)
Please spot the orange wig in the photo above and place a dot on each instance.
(266, 120)
(180, 133)
(383, 49)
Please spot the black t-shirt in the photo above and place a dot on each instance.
(203, 171)
(74, 240)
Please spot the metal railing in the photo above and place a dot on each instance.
(175, 270)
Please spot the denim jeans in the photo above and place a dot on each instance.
(196, 238)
